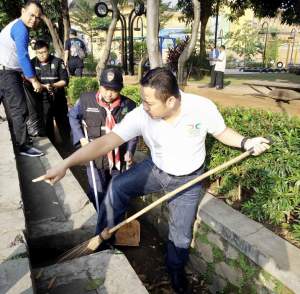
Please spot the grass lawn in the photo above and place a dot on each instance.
(240, 79)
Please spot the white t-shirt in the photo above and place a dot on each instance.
(177, 148)
(221, 65)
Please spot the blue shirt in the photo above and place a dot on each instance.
(14, 40)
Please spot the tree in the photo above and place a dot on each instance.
(152, 33)
(288, 10)
(245, 42)
(58, 23)
(191, 45)
(208, 8)
(82, 17)
(106, 50)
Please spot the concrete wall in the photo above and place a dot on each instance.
(15, 274)
(233, 253)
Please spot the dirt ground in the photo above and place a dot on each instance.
(236, 95)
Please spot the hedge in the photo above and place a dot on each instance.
(78, 85)
(269, 184)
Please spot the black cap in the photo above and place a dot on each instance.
(112, 78)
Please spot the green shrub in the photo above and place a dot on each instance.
(132, 92)
(90, 64)
(77, 86)
(270, 183)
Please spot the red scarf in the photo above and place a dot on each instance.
(113, 156)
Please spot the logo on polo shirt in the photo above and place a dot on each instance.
(193, 128)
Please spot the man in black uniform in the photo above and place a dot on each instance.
(75, 52)
(101, 111)
(52, 102)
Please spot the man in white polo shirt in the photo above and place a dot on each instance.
(220, 68)
(174, 126)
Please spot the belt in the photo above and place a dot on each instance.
(3, 67)
(190, 174)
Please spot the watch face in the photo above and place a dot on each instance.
(101, 9)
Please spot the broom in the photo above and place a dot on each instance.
(92, 244)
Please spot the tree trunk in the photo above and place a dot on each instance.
(66, 18)
(204, 21)
(110, 33)
(152, 33)
(141, 66)
(185, 55)
(57, 44)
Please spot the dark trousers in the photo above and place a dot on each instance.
(50, 107)
(219, 79)
(11, 87)
(145, 178)
(75, 66)
(212, 76)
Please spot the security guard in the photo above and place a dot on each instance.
(100, 111)
(53, 75)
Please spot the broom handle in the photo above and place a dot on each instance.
(181, 188)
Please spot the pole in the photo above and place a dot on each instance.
(124, 41)
(217, 20)
(294, 36)
(130, 44)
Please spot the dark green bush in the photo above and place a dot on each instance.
(270, 183)
(77, 86)
(132, 92)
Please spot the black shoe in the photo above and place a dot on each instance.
(30, 151)
(179, 281)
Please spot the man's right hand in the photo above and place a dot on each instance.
(53, 175)
(84, 141)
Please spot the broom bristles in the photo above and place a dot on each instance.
(85, 248)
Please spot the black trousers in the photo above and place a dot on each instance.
(75, 66)
(212, 76)
(219, 79)
(14, 101)
(54, 107)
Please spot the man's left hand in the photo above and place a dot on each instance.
(259, 145)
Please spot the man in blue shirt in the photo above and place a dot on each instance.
(15, 63)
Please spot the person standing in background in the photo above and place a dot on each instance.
(213, 54)
(52, 73)
(220, 68)
(75, 52)
(15, 62)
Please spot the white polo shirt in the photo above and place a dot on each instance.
(221, 63)
(178, 148)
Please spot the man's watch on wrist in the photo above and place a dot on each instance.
(243, 142)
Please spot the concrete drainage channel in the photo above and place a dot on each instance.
(57, 218)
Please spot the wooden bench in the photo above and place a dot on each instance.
(281, 92)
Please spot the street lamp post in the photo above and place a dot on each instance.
(292, 36)
(221, 36)
(139, 10)
(266, 40)
(141, 28)
(217, 22)
(137, 28)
